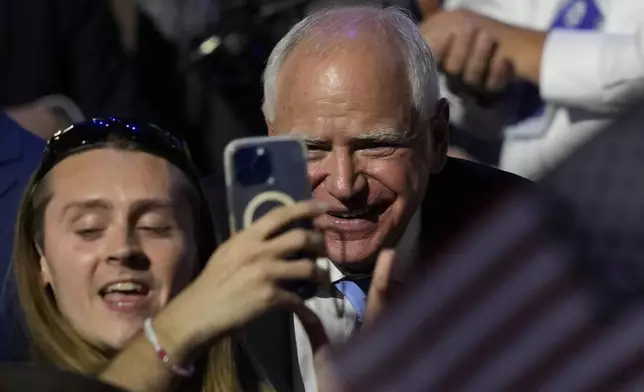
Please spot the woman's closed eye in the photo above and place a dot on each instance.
(156, 223)
(156, 230)
(89, 233)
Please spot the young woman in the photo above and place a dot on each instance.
(114, 237)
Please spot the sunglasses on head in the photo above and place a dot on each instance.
(99, 132)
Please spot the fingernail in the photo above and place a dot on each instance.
(321, 205)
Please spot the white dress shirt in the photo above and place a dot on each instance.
(336, 313)
(588, 80)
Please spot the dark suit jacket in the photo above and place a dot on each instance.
(459, 192)
(20, 153)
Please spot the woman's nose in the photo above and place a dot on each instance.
(124, 248)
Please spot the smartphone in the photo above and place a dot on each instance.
(263, 173)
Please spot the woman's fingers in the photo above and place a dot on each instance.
(295, 270)
(254, 243)
(280, 217)
(294, 241)
(271, 273)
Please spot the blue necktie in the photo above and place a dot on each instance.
(355, 295)
(576, 14)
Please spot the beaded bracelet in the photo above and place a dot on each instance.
(162, 353)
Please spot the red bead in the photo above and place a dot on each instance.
(163, 355)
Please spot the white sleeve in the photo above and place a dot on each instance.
(595, 71)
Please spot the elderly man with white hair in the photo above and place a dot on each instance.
(360, 86)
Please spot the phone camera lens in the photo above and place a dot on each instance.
(253, 166)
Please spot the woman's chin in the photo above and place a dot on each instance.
(117, 337)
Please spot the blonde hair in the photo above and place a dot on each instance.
(53, 339)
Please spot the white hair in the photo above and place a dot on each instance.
(390, 23)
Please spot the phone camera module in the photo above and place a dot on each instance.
(253, 166)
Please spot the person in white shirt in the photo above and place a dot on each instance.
(582, 60)
(360, 86)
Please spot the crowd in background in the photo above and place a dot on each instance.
(527, 83)
(194, 67)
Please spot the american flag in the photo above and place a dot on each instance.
(541, 293)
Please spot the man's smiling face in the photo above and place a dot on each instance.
(352, 106)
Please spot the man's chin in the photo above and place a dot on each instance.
(354, 256)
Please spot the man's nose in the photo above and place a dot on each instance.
(124, 248)
(344, 179)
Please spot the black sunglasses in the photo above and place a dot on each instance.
(97, 132)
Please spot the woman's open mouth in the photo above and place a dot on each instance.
(125, 296)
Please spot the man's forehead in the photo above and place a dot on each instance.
(356, 91)
(345, 88)
(337, 63)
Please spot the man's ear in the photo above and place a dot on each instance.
(440, 135)
(45, 272)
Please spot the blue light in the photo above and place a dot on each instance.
(98, 121)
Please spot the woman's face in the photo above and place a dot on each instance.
(118, 241)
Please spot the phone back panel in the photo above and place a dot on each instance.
(256, 183)
(286, 183)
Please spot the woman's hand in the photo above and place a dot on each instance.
(241, 280)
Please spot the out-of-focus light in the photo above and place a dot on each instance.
(210, 45)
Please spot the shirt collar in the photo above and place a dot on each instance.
(406, 252)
